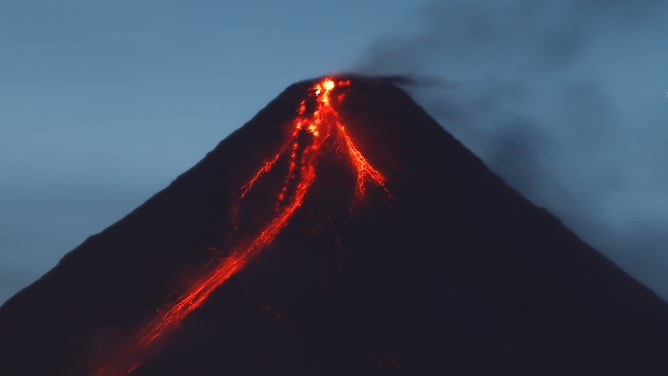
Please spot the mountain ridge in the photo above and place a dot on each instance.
(452, 230)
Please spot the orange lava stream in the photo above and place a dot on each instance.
(310, 135)
(365, 171)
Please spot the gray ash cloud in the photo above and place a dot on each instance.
(565, 100)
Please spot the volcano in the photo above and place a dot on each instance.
(341, 231)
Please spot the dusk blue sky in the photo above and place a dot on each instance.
(103, 103)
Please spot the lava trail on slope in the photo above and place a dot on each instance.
(317, 129)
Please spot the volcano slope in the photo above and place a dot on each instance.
(394, 251)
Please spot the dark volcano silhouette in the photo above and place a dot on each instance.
(454, 274)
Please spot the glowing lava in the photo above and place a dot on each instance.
(312, 132)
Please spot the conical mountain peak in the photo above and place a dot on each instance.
(340, 231)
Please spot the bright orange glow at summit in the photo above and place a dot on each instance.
(323, 129)
(328, 85)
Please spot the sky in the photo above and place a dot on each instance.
(103, 103)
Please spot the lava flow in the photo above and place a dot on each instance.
(316, 126)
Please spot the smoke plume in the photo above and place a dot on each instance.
(567, 101)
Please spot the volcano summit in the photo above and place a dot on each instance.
(341, 231)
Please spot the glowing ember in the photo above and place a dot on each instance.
(302, 154)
